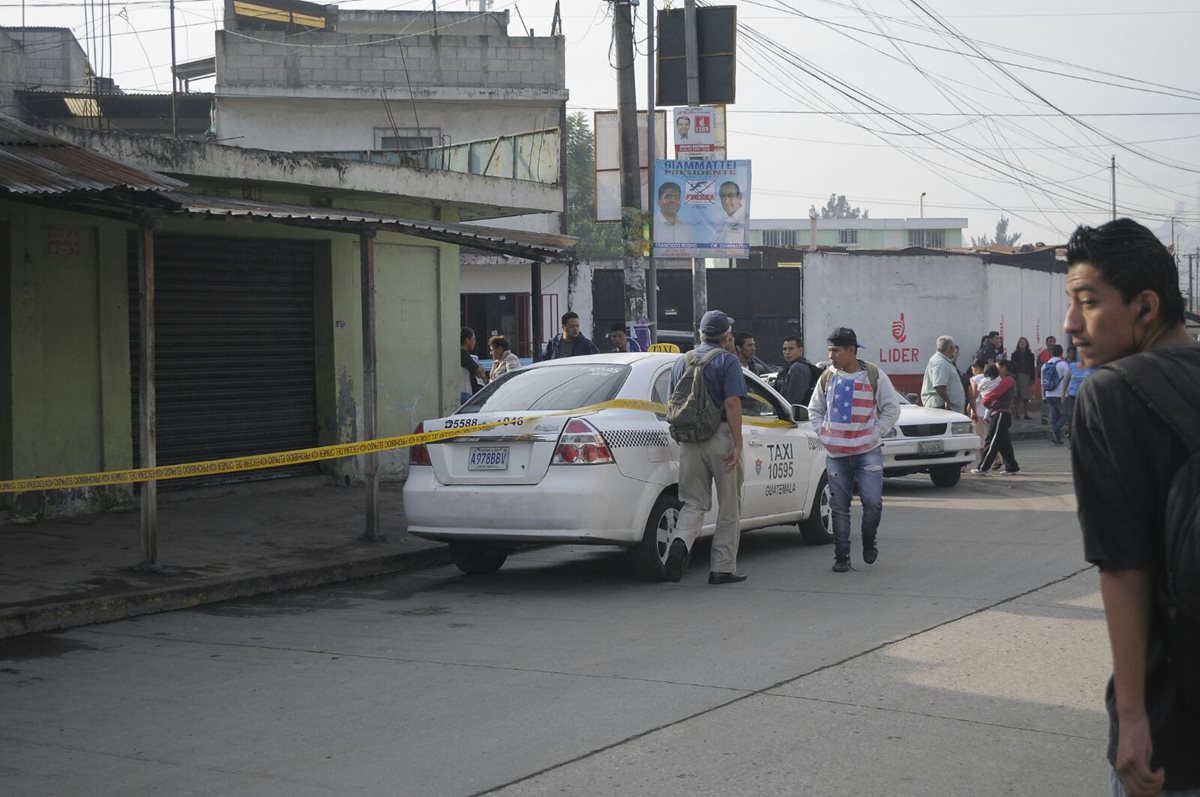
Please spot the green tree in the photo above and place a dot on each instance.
(595, 240)
(838, 208)
(1003, 238)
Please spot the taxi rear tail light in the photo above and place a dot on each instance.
(581, 444)
(419, 454)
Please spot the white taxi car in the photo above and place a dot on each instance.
(927, 440)
(563, 469)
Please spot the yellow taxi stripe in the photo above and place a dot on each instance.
(304, 455)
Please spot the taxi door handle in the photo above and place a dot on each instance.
(753, 442)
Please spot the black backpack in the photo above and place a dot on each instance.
(692, 415)
(1162, 388)
(814, 375)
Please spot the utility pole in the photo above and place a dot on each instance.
(174, 80)
(1114, 187)
(631, 184)
(651, 149)
(692, 64)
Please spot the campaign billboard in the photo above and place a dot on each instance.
(702, 208)
(700, 133)
(607, 143)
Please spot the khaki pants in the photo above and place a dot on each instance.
(700, 466)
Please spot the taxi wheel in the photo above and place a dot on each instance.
(817, 528)
(649, 555)
(475, 559)
(945, 475)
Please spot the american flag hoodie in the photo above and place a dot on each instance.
(851, 418)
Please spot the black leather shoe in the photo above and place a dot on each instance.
(676, 559)
(870, 552)
(726, 578)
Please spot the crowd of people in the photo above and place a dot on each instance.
(1124, 392)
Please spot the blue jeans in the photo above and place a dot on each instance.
(867, 471)
(1058, 414)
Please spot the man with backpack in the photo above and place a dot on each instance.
(705, 417)
(853, 407)
(1055, 375)
(1135, 457)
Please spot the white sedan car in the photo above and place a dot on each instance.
(565, 470)
(933, 441)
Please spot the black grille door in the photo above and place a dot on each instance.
(235, 360)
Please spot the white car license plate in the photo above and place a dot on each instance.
(490, 458)
(931, 447)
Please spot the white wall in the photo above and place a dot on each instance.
(347, 124)
(514, 278)
(899, 305)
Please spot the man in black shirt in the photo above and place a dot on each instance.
(473, 376)
(1125, 303)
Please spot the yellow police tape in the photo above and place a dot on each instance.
(303, 455)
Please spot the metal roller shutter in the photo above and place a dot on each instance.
(235, 361)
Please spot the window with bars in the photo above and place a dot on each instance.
(847, 236)
(406, 138)
(781, 238)
(929, 239)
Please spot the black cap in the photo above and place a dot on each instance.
(843, 336)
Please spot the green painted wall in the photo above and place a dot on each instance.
(65, 398)
(67, 376)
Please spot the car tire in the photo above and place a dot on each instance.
(475, 559)
(945, 475)
(817, 528)
(649, 555)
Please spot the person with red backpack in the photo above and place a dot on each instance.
(1135, 456)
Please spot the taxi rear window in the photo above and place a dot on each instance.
(560, 387)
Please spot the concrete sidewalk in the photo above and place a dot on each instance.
(214, 543)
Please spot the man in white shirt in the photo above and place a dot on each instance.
(1055, 397)
(668, 227)
(731, 230)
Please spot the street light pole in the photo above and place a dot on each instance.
(922, 201)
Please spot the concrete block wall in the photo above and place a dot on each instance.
(52, 59)
(370, 60)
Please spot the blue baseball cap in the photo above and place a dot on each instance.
(714, 323)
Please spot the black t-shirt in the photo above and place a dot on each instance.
(1124, 456)
(471, 367)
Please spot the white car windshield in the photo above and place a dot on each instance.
(560, 387)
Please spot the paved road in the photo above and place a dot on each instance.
(969, 660)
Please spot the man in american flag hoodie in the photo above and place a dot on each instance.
(852, 408)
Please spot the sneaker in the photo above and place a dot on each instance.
(841, 564)
(978, 472)
(676, 556)
(1056, 437)
(870, 552)
(1010, 472)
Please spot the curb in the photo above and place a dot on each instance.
(87, 611)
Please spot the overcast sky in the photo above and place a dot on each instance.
(978, 137)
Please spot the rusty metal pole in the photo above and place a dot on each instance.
(366, 248)
(147, 411)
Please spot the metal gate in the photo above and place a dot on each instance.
(235, 365)
(768, 302)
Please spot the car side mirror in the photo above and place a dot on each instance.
(799, 413)
(913, 398)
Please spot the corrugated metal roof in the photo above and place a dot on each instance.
(536, 246)
(35, 162)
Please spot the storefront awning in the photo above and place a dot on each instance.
(530, 245)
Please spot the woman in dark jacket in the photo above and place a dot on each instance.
(1024, 369)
